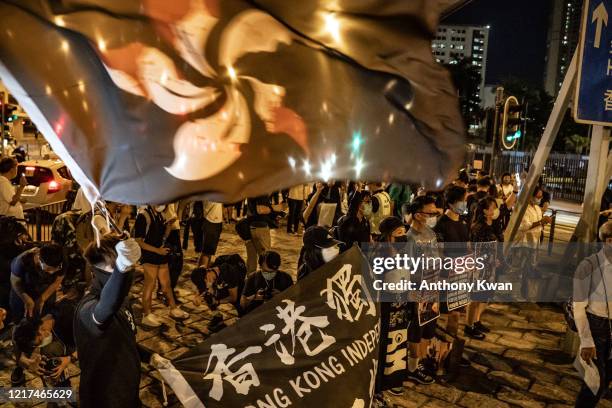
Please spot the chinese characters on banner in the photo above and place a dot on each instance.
(316, 344)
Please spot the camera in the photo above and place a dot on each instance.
(210, 300)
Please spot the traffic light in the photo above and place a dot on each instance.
(511, 123)
(8, 113)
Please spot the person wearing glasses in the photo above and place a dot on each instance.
(35, 277)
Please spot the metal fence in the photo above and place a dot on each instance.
(564, 174)
(39, 219)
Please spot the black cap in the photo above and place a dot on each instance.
(390, 224)
(319, 237)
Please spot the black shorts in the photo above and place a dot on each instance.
(416, 332)
(210, 239)
(153, 258)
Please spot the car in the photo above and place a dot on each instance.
(49, 181)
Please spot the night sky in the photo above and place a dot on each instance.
(517, 40)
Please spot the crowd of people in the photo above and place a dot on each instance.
(67, 300)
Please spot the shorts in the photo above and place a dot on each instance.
(153, 258)
(416, 332)
(210, 239)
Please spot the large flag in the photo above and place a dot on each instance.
(152, 100)
(314, 345)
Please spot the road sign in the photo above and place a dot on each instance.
(593, 100)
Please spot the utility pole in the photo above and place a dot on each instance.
(499, 97)
(2, 123)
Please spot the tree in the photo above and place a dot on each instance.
(538, 105)
(577, 143)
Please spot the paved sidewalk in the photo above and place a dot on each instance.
(518, 364)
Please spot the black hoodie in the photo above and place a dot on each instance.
(105, 335)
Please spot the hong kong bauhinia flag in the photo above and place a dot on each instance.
(152, 100)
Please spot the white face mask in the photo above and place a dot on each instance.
(47, 340)
(431, 222)
(496, 213)
(330, 253)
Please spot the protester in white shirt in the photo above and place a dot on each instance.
(592, 297)
(10, 197)
(213, 225)
(296, 197)
(524, 254)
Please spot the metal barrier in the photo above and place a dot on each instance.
(564, 174)
(40, 219)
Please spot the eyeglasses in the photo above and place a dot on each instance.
(49, 269)
(430, 214)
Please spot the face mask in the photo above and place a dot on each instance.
(367, 210)
(330, 253)
(431, 222)
(459, 208)
(401, 238)
(496, 213)
(47, 340)
(535, 200)
(268, 275)
(160, 208)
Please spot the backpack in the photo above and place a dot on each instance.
(72, 229)
(11, 228)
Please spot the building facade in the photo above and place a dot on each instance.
(453, 43)
(561, 42)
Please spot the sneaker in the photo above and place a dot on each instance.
(481, 327)
(151, 320)
(472, 332)
(397, 391)
(18, 377)
(178, 313)
(420, 375)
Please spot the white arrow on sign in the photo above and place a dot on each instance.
(600, 14)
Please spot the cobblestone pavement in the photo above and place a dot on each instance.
(518, 364)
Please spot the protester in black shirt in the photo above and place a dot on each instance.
(261, 217)
(55, 342)
(453, 231)
(35, 277)
(151, 231)
(485, 228)
(223, 282)
(266, 283)
(482, 190)
(319, 248)
(323, 193)
(14, 240)
(355, 227)
(104, 328)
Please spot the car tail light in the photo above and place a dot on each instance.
(54, 187)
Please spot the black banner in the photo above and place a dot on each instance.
(314, 345)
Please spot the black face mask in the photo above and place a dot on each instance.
(401, 238)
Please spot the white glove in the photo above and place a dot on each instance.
(128, 254)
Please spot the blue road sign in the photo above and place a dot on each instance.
(594, 88)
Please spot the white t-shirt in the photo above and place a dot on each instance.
(7, 192)
(213, 212)
(530, 237)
